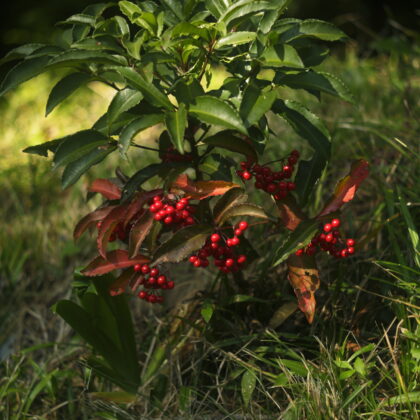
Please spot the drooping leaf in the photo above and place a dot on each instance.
(91, 219)
(64, 88)
(231, 198)
(122, 101)
(138, 233)
(77, 145)
(282, 55)
(22, 72)
(255, 103)
(303, 275)
(22, 51)
(347, 187)
(176, 122)
(113, 261)
(43, 148)
(182, 244)
(105, 187)
(297, 239)
(134, 127)
(244, 209)
(215, 111)
(236, 38)
(75, 169)
(153, 94)
(227, 140)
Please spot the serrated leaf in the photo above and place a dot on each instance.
(75, 169)
(105, 187)
(114, 260)
(22, 72)
(176, 122)
(347, 187)
(122, 101)
(138, 232)
(227, 140)
(318, 81)
(43, 148)
(153, 94)
(91, 219)
(72, 57)
(182, 244)
(248, 382)
(297, 239)
(77, 145)
(215, 111)
(244, 209)
(64, 88)
(231, 198)
(139, 178)
(255, 103)
(134, 127)
(236, 38)
(282, 55)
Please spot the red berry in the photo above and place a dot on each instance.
(327, 227)
(151, 280)
(282, 185)
(299, 252)
(204, 262)
(214, 246)
(193, 259)
(322, 237)
(292, 160)
(215, 237)
(161, 280)
(235, 241)
(170, 284)
(152, 299)
(142, 295)
(153, 208)
(229, 242)
(241, 259)
(335, 223)
(158, 217)
(350, 250)
(271, 187)
(243, 225)
(295, 153)
(237, 232)
(157, 198)
(291, 186)
(329, 237)
(203, 253)
(344, 253)
(185, 201)
(229, 262)
(180, 206)
(154, 272)
(145, 269)
(197, 263)
(158, 205)
(246, 175)
(189, 220)
(168, 220)
(169, 209)
(137, 267)
(350, 242)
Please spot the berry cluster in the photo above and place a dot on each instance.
(270, 181)
(329, 241)
(172, 212)
(119, 232)
(151, 278)
(221, 249)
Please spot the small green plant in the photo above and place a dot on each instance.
(191, 204)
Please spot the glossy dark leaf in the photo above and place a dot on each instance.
(138, 178)
(231, 198)
(43, 148)
(74, 57)
(244, 209)
(282, 55)
(122, 101)
(176, 122)
(255, 103)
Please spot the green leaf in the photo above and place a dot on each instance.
(320, 29)
(409, 397)
(139, 178)
(73, 57)
(188, 29)
(79, 18)
(122, 101)
(318, 81)
(231, 198)
(22, 51)
(187, 91)
(207, 311)
(134, 127)
(244, 209)
(22, 72)
(308, 173)
(77, 168)
(129, 9)
(182, 244)
(282, 55)
(64, 88)
(176, 122)
(297, 239)
(236, 38)
(76, 145)
(248, 382)
(217, 7)
(226, 140)
(255, 103)
(213, 110)
(44, 148)
(307, 125)
(175, 6)
(154, 95)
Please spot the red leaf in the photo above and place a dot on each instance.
(347, 187)
(304, 277)
(113, 261)
(201, 189)
(91, 219)
(138, 202)
(291, 213)
(139, 232)
(105, 187)
(107, 227)
(120, 283)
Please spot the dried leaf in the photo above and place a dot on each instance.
(107, 188)
(347, 187)
(91, 219)
(113, 261)
(291, 214)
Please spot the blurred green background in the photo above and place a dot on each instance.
(42, 374)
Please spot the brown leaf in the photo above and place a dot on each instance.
(107, 188)
(91, 219)
(201, 189)
(304, 277)
(113, 261)
(347, 187)
(137, 203)
(139, 231)
(291, 214)
(122, 280)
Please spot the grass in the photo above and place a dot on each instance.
(359, 360)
